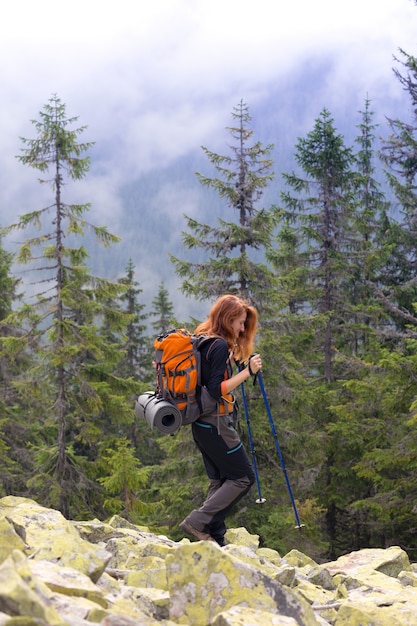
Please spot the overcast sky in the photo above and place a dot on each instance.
(155, 79)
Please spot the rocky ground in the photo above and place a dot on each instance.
(54, 572)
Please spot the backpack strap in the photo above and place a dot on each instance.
(226, 403)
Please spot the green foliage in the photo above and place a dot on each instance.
(75, 391)
(178, 484)
(233, 248)
(331, 371)
(7, 465)
(8, 284)
(399, 155)
(283, 534)
(124, 480)
(135, 362)
(163, 311)
(49, 487)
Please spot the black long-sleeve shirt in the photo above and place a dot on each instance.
(214, 363)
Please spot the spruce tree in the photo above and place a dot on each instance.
(71, 381)
(368, 250)
(314, 260)
(317, 217)
(124, 481)
(10, 440)
(351, 426)
(360, 411)
(133, 363)
(379, 405)
(163, 311)
(399, 154)
(8, 283)
(234, 247)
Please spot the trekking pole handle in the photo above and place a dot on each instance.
(251, 372)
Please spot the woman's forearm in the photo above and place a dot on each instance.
(231, 383)
(252, 368)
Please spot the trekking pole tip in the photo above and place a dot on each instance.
(260, 500)
(299, 526)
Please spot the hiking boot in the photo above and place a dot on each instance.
(220, 541)
(197, 534)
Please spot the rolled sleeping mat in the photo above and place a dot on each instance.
(158, 413)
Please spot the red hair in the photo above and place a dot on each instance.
(219, 322)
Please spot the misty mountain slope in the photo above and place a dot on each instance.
(155, 204)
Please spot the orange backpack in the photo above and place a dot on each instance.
(178, 376)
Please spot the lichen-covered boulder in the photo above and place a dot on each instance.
(66, 580)
(51, 574)
(298, 559)
(241, 537)
(9, 539)
(366, 612)
(153, 603)
(242, 616)
(95, 531)
(373, 592)
(151, 572)
(408, 578)
(50, 536)
(128, 551)
(204, 581)
(268, 553)
(390, 561)
(252, 558)
(22, 594)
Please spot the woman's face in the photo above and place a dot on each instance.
(238, 325)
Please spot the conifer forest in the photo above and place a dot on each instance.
(331, 268)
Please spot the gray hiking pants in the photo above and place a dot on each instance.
(229, 471)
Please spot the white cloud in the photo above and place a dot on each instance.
(155, 80)
(132, 67)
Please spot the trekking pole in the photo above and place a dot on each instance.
(281, 458)
(260, 499)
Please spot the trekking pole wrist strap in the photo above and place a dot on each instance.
(251, 372)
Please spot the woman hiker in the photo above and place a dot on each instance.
(232, 324)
